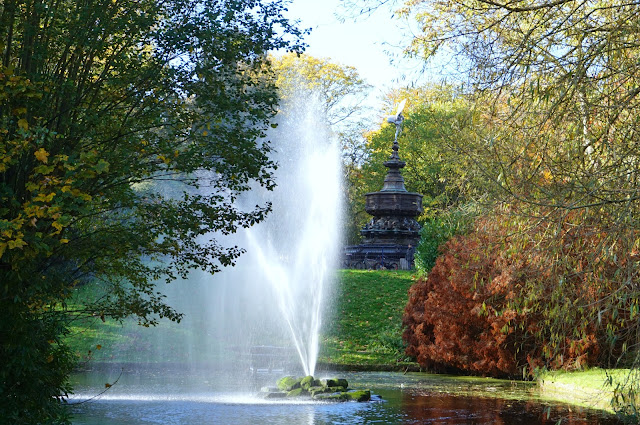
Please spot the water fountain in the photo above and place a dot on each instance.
(271, 303)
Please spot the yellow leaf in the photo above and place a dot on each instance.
(204, 133)
(64, 240)
(18, 243)
(23, 124)
(42, 155)
(98, 347)
(44, 197)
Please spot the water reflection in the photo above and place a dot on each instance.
(426, 408)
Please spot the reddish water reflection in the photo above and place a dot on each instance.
(447, 409)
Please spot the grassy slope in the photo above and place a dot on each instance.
(93, 339)
(365, 328)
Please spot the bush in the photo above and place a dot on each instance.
(504, 301)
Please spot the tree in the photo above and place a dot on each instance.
(491, 303)
(340, 88)
(128, 129)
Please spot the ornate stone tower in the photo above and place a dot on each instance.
(394, 210)
(393, 232)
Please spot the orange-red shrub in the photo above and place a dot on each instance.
(504, 305)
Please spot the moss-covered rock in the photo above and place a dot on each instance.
(273, 395)
(317, 390)
(307, 382)
(298, 392)
(288, 383)
(332, 397)
(359, 395)
(335, 382)
(325, 390)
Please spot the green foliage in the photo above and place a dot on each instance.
(127, 132)
(625, 386)
(438, 230)
(340, 88)
(36, 363)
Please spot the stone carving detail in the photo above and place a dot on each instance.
(392, 223)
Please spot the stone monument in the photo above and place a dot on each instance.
(392, 234)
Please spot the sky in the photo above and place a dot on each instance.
(362, 43)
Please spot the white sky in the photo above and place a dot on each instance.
(361, 43)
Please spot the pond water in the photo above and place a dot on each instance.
(194, 397)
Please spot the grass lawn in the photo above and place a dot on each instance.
(365, 327)
(93, 339)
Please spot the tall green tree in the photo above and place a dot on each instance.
(127, 131)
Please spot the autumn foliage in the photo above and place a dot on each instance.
(519, 294)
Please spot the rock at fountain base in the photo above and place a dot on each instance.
(330, 390)
(288, 383)
(272, 395)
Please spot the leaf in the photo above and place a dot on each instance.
(23, 124)
(42, 155)
(102, 166)
(18, 243)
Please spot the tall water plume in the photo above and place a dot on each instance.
(277, 292)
